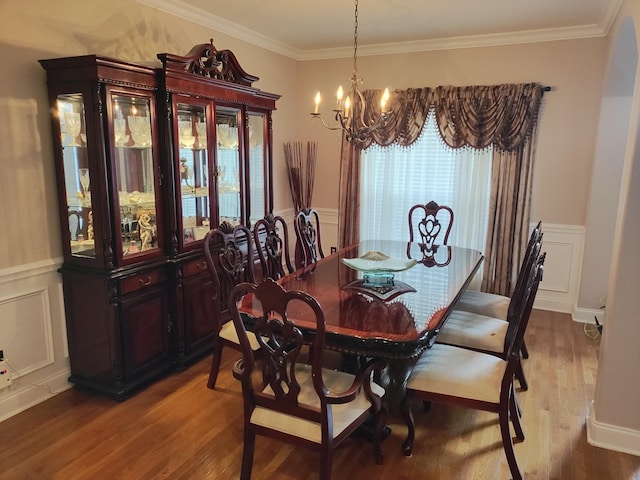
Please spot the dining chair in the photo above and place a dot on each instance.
(300, 403)
(228, 252)
(458, 376)
(489, 334)
(271, 239)
(497, 306)
(308, 239)
(491, 304)
(426, 222)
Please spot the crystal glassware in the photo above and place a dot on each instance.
(83, 175)
(73, 125)
(140, 130)
(120, 131)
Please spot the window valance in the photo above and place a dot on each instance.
(475, 116)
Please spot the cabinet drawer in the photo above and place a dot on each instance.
(142, 280)
(195, 267)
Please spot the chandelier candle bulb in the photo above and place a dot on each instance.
(339, 96)
(316, 102)
(384, 100)
(347, 106)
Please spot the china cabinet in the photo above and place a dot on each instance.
(148, 159)
(220, 137)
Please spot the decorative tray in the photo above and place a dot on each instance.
(378, 262)
(381, 292)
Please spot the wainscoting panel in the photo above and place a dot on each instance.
(32, 335)
(564, 245)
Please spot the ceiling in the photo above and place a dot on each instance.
(307, 30)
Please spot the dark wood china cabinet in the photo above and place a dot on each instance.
(148, 159)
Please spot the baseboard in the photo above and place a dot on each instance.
(21, 395)
(551, 303)
(611, 437)
(587, 315)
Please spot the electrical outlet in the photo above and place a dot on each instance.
(5, 375)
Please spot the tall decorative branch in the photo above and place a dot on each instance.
(300, 172)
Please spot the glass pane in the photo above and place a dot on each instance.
(134, 174)
(256, 166)
(194, 171)
(76, 173)
(228, 165)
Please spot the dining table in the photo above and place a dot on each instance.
(373, 312)
(381, 299)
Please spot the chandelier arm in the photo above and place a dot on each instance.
(362, 107)
(339, 119)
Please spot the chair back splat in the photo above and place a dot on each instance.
(228, 252)
(300, 403)
(308, 239)
(271, 239)
(427, 222)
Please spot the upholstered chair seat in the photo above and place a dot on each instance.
(459, 372)
(470, 330)
(483, 303)
(343, 414)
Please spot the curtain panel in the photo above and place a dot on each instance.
(504, 116)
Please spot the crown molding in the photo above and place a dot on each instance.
(185, 11)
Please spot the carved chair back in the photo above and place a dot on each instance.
(430, 224)
(308, 238)
(271, 238)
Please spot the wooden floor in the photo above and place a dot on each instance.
(178, 429)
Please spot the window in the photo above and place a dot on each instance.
(395, 178)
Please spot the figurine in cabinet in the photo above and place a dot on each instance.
(146, 231)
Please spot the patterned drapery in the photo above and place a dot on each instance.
(504, 116)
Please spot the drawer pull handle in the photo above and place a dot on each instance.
(202, 265)
(144, 282)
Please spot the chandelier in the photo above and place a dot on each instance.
(357, 131)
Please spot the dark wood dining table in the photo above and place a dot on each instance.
(396, 321)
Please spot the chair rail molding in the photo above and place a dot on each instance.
(32, 335)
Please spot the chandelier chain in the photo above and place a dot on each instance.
(355, 42)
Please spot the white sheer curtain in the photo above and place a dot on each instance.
(395, 178)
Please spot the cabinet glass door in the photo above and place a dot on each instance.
(193, 167)
(134, 174)
(76, 174)
(257, 167)
(228, 158)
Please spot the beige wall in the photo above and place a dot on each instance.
(568, 118)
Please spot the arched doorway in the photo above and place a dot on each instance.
(614, 422)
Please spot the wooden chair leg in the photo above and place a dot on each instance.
(215, 364)
(521, 378)
(326, 459)
(407, 414)
(247, 453)
(507, 443)
(517, 405)
(515, 415)
(524, 350)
